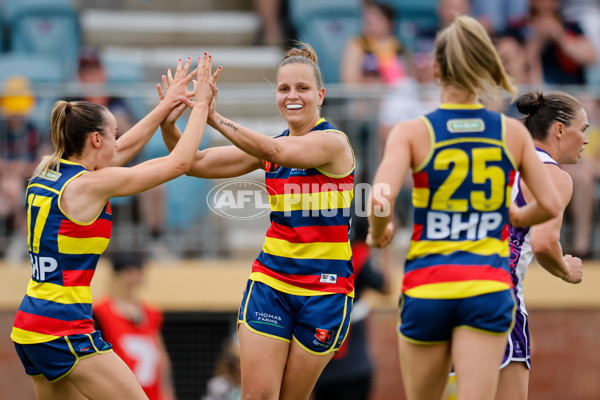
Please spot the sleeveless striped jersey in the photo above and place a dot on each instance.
(63, 254)
(521, 253)
(307, 248)
(459, 247)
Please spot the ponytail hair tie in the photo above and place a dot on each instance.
(540, 103)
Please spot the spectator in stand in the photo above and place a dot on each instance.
(446, 10)
(587, 14)
(510, 47)
(93, 75)
(271, 30)
(133, 326)
(498, 15)
(557, 49)
(417, 92)
(226, 384)
(20, 144)
(376, 55)
(148, 206)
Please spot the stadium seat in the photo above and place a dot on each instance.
(38, 68)
(422, 13)
(44, 72)
(326, 26)
(186, 195)
(183, 191)
(413, 15)
(118, 71)
(181, 194)
(46, 27)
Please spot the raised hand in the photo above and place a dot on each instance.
(176, 112)
(176, 86)
(215, 90)
(167, 83)
(203, 90)
(213, 104)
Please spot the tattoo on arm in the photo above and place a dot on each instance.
(229, 124)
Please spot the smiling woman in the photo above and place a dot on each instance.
(303, 277)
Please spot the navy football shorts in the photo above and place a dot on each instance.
(319, 324)
(57, 358)
(429, 321)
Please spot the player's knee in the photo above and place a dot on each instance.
(263, 390)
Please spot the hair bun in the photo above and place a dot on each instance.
(305, 51)
(530, 103)
(68, 107)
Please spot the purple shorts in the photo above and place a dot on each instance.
(518, 346)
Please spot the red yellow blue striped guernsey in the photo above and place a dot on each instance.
(307, 250)
(459, 247)
(64, 254)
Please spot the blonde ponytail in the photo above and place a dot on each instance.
(468, 59)
(70, 124)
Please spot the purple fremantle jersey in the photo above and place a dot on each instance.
(521, 255)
